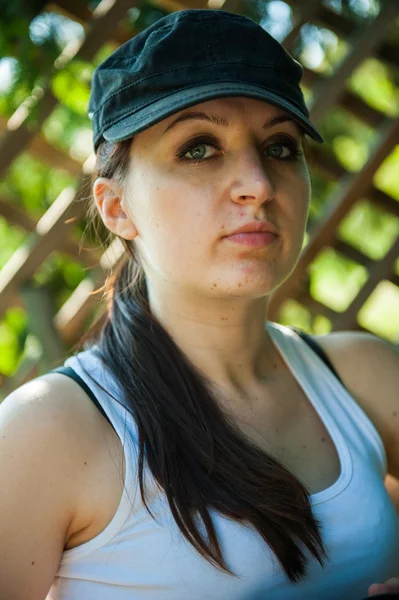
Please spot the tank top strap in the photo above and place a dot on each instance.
(347, 423)
(73, 375)
(318, 349)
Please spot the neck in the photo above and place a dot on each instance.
(225, 339)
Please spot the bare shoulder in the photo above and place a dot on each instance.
(48, 442)
(61, 407)
(369, 368)
(79, 439)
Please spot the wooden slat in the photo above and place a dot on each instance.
(393, 278)
(332, 169)
(18, 135)
(39, 304)
(345, 27)
(328, 164)
(381, 269)
(349, 101)
(27, 369)
(352, 253)
(74, 9)
(351, 189)
(75, 311)
(364, 44)
(71, 318)
(79, 12)
(86, 255)
(50, 231)
(382, 200)
(357, 327)
(40, 148)
(305, 11)
(315, 307)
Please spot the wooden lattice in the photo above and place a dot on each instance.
(58, 332)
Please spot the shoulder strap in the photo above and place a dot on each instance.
(318, 349)
(306, 337)
(73, 375)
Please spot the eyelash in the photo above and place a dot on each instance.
(290, 144)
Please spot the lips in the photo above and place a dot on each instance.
(257, 234)
(255, 227)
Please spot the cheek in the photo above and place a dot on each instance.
(296, 199)
(176, 225)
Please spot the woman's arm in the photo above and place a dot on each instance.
(39, 431)
(369, 368)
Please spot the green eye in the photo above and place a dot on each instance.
(281, 151)
(195, 154)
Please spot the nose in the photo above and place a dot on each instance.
(252, 183)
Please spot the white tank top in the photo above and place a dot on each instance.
(137, 558)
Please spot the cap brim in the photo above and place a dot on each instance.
(150, 114)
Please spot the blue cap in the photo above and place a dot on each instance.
(188, 57)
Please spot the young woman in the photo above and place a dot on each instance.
(202, 451)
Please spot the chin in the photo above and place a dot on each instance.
(247, 288)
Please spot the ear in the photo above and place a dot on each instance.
(108, 197)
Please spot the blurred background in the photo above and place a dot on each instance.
(52, 268)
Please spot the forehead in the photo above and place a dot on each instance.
(234, 108)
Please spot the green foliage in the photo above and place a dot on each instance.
(294, 313)
(321, 325)
(335, 280)
(13, 333)
(375, 83)
(386, 177)
(33, 45)
(61, 275)
(31, 60)
(380, 312)
(369, 229)
(322, 190)
(32, 185)
(71, 86)
(348, 139)
(351, 153)
(11, 238)
(63, 126)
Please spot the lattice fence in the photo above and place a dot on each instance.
(340, 190)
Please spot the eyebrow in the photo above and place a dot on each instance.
(217, 120)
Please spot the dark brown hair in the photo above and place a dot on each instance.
(198, 456)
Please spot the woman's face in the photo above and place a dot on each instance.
(192, 183)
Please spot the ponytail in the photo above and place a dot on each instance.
(195, 452)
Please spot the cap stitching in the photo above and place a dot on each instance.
(191, 87)
(192, 67)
